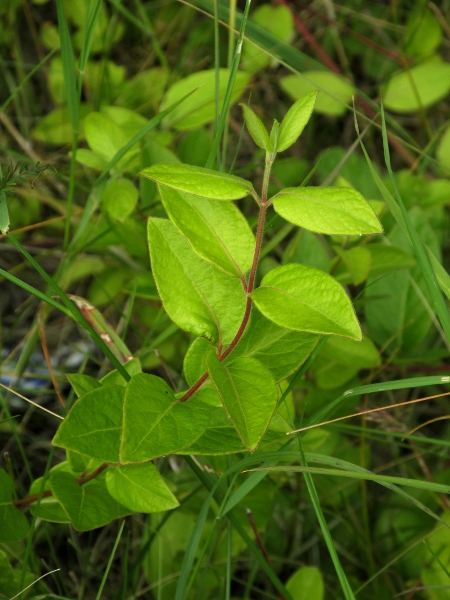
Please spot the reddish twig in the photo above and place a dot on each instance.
(82, 479)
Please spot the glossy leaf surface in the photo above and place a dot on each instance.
(88, 506)
(140, 488)
(197, 296)
(249, 394)
(93, 426)
(306, 299)
(256, 128)
(217, 231)
(156, 423)
(295, 120)
(280, 350)
(199, 181)
(338, 211)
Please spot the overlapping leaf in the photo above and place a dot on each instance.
(197, 296)
(140, 488)
(249, 394)
(155, 423)
(295, 120)
(88, 506)
(121, 425)
(93, 426)
(199, 181)
(217, 231)
(279, 349)
(306, 299)
(334, 210)
(13, 523)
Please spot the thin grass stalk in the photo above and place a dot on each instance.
(231, 80)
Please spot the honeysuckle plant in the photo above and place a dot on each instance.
(249, 337)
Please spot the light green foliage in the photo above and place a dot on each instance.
(217, 231)
(119, 198)
(357, 262)
(13, 523)
(204, 301)
(82, 384)
(88, 506)
(341, 359)
(280, 350)
(155, 423)
(10, 578)
(306, 582)
(248, 393)
(289, 297)
(199, 108)
(91, 430)
(335, 92)
(140, 488)
(341, 211)
(423, 32)
(256, 128)
(274, 19)
(4, 214)
(199, 181)
(419, 87)
(435, 574)
(295, 120)
(443, 150)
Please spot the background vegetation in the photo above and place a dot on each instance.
(80, 211)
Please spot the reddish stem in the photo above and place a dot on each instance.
(248, 306)
(81, 481)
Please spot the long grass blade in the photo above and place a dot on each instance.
(108, 566)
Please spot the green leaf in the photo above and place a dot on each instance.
(436, 568)
(249, 394)
(204, 301)
(338, 211)
(200, 107)
(194, 364)
(221, 437)
(104, 136)
(11, 582)
(217, 231)
(306, 299)
(280, 350)
(418, 87)
(13, 523)
(357, 261)
(155, 422)
(387, 258)
(55, 128)
(443, 149)
(275, 20)
(119, 198)
(140, 488)
(335, 92)
(295, 120)
(49, 509)
(82, 384)
(93, 425)
(423, 32)
(256, 128)
(88, 506)
(132, 367)
(341, 359)
(199, 181)
(306, 582)
(4, 215)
